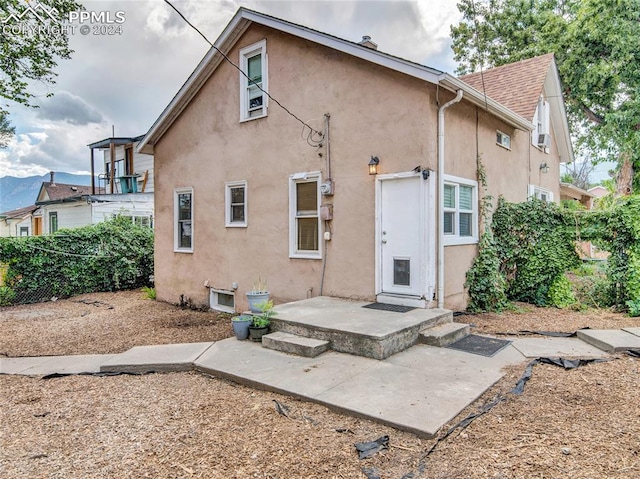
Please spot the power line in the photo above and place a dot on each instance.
(240, 70)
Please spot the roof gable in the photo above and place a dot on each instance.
(241, 22)
(59, 191)
(517, 85)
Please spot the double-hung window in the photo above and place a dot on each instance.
(253, 81)
(53, 222)
(236, 204)
(183, 220)
(460, 218)
(304, 215)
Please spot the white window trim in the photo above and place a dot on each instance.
(455, 240)
(213, 300)
(245, 54)
(293, 236)
(176, 234)
(504, 135)
(227, 204)
(534, 191)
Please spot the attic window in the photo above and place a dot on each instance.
(253, 81)
(503, 139)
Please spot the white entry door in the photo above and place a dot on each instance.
(399, 234)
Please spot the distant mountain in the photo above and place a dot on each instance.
(19, 192)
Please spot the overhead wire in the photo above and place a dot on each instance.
(475, 24)
(313, 130)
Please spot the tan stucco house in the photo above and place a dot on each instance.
(246, 189)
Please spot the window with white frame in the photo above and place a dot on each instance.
(183, 220)
(236, 204)
(222, 300)
(304, 215)
(53, 222)
(460, 218)
(24, 231)
(253, 81)
(503, 139)
(540, 193)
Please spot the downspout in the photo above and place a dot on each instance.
(441, 196)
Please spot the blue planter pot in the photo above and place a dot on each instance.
(241, 326)
(255, 299)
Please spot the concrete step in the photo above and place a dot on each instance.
(444, 334)
(610, 340)
(350, 328)
(292, 344)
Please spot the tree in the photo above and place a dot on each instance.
(6, 130)
(31, 42)
(578, 174)
(597, 48)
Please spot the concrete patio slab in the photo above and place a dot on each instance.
(417, 390)
(40, 366)
(634, 331)
(555, 347)
(350, 328)
(249, 363)
(158, 358)
(610, 340)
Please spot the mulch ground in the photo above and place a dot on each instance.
(581, 423)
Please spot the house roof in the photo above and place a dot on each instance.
(19, 213)
(117, 141)
(517, 85)
(244, 18)
(52, 192)
(573, 191)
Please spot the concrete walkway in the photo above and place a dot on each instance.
(417, 390)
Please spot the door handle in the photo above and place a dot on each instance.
(384, 241)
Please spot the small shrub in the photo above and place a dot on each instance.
(486, 284)
(634, 308)
(560, 293)
(150, 293)
(7, 296)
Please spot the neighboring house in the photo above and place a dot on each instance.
(18, 222)
(132, 171)
(570, 192)
(72, 206)
(240, 194)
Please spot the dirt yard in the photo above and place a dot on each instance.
(582, 423)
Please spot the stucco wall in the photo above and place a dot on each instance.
(373, 111)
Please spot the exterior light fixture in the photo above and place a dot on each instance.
(373, 165)
(544, 167)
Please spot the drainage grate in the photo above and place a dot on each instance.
(395, 308)
(481, 345)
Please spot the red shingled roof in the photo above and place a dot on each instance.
(516, 85)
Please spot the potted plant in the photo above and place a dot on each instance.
(241, 326)
(257, 295)
(261, 321)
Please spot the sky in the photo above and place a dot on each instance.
(124, 81)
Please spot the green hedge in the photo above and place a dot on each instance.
(108, 256)
(533, 245)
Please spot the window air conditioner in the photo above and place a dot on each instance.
(544, 140)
